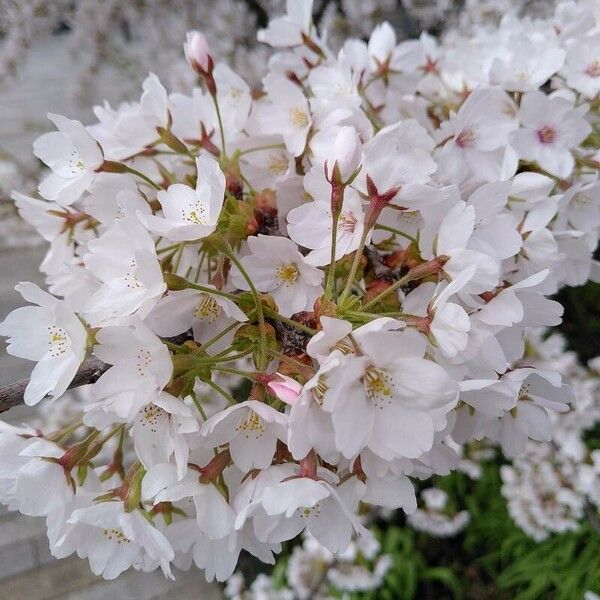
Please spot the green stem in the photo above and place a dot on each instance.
(259, 148)
(110, 434)
(331, 270)
(61, 434)
(142, 176)
(408, 277)
(198, 405)
(214, 360)
(261, 359)
(354, 267)
(168, 248)
(207, 290)
(217, 337)
(221, 130)
(397, 232)
(221, 391)
(246, 374)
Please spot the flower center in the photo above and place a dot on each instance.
(593, 69)
(251, 424)
(144, 360)
(546, 135)
(150, 416)
(319, 391)
(288, 273)
(57, 340)
(379, 387)
(208, 309)
(277, 164)
(466, 137)
(524, 393)
(347, 222)
(310, 511)
(298, 118)
(76, 164)
(117, 535)
(130, 280)
(235, 93)
(581, 200)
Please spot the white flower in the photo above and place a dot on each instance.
(125, 132)
(282, 503)
(141, 368)
(124, 259)
(50, 334)
(336, 96)
(375, 401)
(474, 140)
(450, 324)
(214, 515)
(288, 30)
(551, 129)
(73, 155)
(275, 266)
(582, 211)
(528, 65)
(190, 214)
(310, 224)
(234, 98)
(382, 44)
(158, 432)
(310, 425)
(453, 240)
(339, 146)
(114, 197)
(521, 301)
(35, 466)
(397, 158)
(284, 112)
(44, 216)
(495, 231)
(206, 314)
(251, 429)
(582, 65)
(114, 540)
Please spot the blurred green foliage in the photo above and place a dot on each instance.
(492, 559)
(581, 321)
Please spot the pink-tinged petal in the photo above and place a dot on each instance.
(285, 388)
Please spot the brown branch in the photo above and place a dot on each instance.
(12, 394)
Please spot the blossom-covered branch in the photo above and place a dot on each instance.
(13, 394)
(306, 294)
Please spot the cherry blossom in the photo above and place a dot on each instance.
(294, 288)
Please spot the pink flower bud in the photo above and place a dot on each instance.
(197, 52)
(285, 388)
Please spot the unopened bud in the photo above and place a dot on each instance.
(344, 157)
(284, 388)
(197, 53)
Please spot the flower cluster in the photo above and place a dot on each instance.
(552, 487)
(298, 299)
(312, 569)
